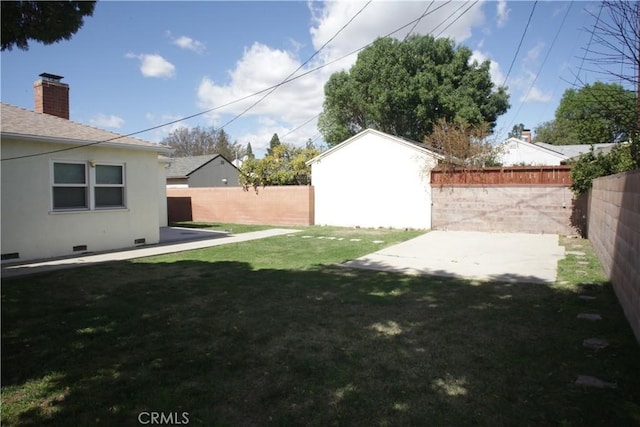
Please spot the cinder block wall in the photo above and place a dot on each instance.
(281, 205)
(521, 209)
(614, 232)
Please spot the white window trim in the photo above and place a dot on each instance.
(90, 185)
(96, 185)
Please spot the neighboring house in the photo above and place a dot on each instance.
(516, 152)
(374, 180)
(68, 188)
(212, 170)
(575, 151)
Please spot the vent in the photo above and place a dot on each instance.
(79, 248)
(140, 241)
(14, 255)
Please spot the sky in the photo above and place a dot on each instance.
(136, 65)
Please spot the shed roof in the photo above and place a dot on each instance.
(423, 148)
(25, 124)
(184, 166)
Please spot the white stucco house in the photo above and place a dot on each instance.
(374, 180)
(516, 152)
(68, 188)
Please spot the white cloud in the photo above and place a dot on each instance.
(502, 13)
(298, 101)
(534, 53)
(154, 65)
(107, 121)
(188, 43)
(159, 134)
(536, 95)
(494, 68)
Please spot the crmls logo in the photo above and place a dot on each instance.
(161, 418)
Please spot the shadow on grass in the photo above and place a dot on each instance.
(232, 345)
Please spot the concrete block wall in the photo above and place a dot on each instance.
(281, 205)
(521, 209)
(614, 232)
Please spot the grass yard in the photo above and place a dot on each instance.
(271, 332)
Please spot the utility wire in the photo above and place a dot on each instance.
(418, 20)
(231, 102)
(593, 30)
(286, 79)
(542, 65)
(520, 44)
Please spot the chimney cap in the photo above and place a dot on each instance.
(51, 77)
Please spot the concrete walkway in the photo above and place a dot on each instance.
(191, 239)
(509, 257)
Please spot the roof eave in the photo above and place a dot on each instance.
(79, 142)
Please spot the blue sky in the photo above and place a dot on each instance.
(136, 65)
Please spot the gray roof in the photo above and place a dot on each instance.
(576, 150)
(184, 166)
(21, 123)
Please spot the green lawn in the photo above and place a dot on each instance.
(272, 332)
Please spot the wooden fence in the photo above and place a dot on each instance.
(503, 176)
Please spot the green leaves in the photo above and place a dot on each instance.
(284, 165)
(593, 114)
(405, 87)
(591, 166)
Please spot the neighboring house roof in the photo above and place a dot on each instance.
(422, 148)
(571, 151)
(20, 123)
(182, 167)
(535, 147)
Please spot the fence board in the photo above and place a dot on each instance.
(497, 176)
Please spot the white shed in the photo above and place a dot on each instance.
(374, 180)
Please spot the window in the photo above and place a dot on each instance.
(109, 188)
(70, 186)
(78, 186)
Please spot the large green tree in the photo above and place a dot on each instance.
(47, 22)
(593, 114)
(405, 87)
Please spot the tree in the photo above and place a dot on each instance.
(275, 141)
(516, 132)
(405, 87)
(249, 151)
(285, 165)
(591, 166)
(47, 22)
(199, 141)
(593, 114)
(463, 144)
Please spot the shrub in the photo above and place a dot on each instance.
(591, 166)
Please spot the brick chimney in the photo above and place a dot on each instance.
(526, 135)
(51, 96)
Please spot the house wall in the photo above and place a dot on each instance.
(213, 173)
(281, 205)
(30, 228)
(373, 182)
(521, 209)
(614, 232)
(163, 218)
(514, 152)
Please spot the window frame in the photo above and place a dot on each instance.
(86, 186)
(90, 185)
(95, 186)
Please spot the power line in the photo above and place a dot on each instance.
(271, 88)
(553, 42)
(588, 44)
(520, 44)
